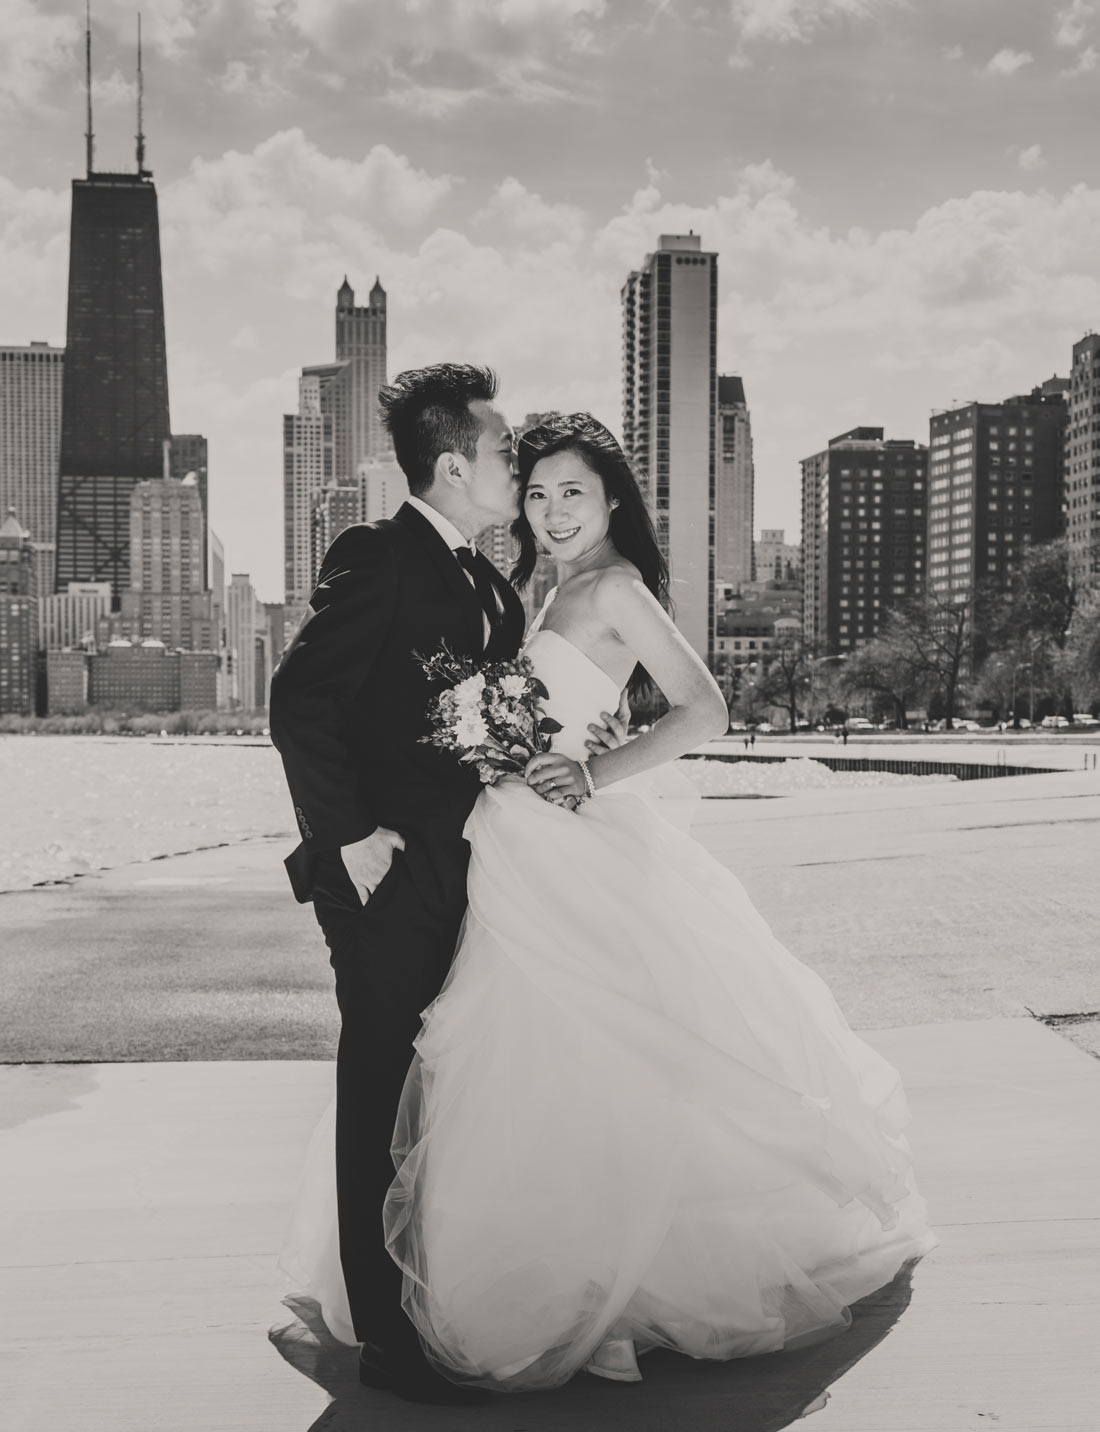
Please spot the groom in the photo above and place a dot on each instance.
(381, 817)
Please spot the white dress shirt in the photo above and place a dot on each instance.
(454, 539)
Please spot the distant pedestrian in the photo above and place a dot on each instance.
(844, 734)
(752, 739)
(746, 740)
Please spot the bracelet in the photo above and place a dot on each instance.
(589, 783)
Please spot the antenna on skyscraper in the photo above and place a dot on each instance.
(140, 99)
(89, 136)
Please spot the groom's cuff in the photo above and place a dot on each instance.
(320, 834)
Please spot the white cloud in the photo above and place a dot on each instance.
(1087, 61)
(35, 45)
(514, 210)
(115, 90)
(787, 20)
(286, 206)
(1030, 158)
(1007, 62)
(1071, 24)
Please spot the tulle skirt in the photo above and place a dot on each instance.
(633, 1114)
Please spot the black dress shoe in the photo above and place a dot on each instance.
(413, 1379)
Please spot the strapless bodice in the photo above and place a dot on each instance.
(578, 689)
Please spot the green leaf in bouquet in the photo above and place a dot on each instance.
(539, 689)
(548, 726)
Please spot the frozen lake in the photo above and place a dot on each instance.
(79, 803)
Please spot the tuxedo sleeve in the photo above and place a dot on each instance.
(328, 662)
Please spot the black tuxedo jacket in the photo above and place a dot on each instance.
(348, 701)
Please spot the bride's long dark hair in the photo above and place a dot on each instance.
(631, 527)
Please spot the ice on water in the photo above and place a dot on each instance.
(78, 803)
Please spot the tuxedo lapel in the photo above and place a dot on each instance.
(507, 632)
(455, 579)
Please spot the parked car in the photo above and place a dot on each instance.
(1083, 718)
(860, 723)
(969, 726)
(1053, 723)
(765, 728)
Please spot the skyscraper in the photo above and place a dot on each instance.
(307, 469)
(241, 623)
(670, 402)
(188, 453)
(114, 409)
(30, 442)
(1083, 449)
(863, 538)
(361, 342)
(335, 507)
(996, 486)
(18, 622)
(383, 487)
(167, 597)
(733, 549)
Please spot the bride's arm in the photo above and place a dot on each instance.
(697, 707)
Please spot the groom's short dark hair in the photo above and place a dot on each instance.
(426, 411)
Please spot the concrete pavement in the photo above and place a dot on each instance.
(143, 1205)
(916, 903)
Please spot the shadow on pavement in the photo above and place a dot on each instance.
(761, 1394)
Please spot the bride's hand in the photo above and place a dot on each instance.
(555, 778)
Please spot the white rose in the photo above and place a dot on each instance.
(467, 693)
(471, 730)
(513, 687)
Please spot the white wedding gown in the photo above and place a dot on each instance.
(632, 1113)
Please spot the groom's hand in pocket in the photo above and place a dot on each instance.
(368, 860)
(614, 730)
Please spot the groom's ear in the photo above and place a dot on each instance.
(451, 470)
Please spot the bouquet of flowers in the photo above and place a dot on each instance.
(490, 716)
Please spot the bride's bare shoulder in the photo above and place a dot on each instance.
(619, 586)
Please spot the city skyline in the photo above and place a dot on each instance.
(871, 270)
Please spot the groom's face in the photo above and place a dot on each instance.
(493, 484)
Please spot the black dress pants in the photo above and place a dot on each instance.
(390, 958)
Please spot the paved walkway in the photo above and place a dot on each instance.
(142, 1207)
(142, 1204)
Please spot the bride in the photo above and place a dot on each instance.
(634, 1120)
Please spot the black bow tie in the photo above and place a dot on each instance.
(483, 583)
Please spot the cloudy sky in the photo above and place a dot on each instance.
(904, 194)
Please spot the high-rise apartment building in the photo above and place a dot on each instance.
(307, 470)
(18, 623)
(167, 597)
(30, 444)
(863, 538)
(241, 624)
(996, 483)
(776, 559)
(114, 411)
(733, 549)
(361, 343)
(1082, 479)
(189, 456)
(670, 403)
